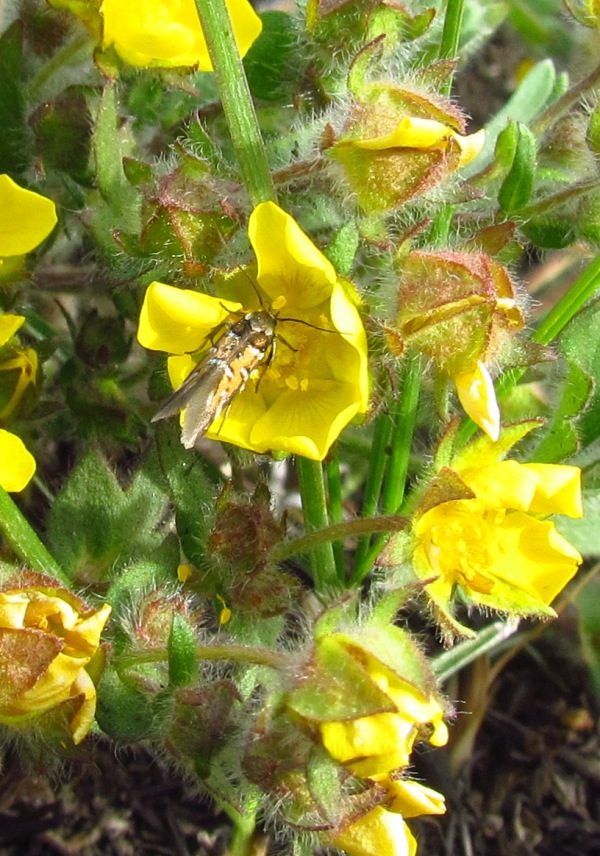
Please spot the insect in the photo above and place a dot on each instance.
(223, 372)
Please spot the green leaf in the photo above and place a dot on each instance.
(14, 139)
(183, 660)
(526, 103)
(191, 491)
(95, 526)
(584, 532)
(560, 437)
(268, 63)
(110, 147)
(517, 187)
(580, 342)
(122, 711)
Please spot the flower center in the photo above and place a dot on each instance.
(463, 545)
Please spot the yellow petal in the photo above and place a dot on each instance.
(306, 422)
(179, 320)
(167, 33)
(558, 489)
(470, 147)
(9, 324)
(289, 264)
(26, 218)
(377, 833)
(412, 799)
(17, 465)
(478, 397)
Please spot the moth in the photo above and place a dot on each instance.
(221, 374)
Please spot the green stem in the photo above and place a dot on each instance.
(565, 102)
(254, 655)
(405, 417)
(314, 505)
(336, 506)
(380, 451)
(24, 541)
(236, 100)
(244, 828)
(584, 287)
(336, 532)
(451, 35)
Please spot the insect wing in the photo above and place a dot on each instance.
(220, 375)
(195, 396)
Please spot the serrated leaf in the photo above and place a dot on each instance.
(95, 526)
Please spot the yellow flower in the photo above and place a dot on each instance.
(26, 218)
(17, 465)
(377, 744)
(167, 33)
(376, 833)
(48, 638)
(497, 546)
(316, 380)
(377, 747)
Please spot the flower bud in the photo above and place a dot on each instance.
(397, 144)
(50, 647)
(460, 310)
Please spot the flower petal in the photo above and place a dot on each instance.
(289, 264)
(26, 218)
(167, 33)
(478, 397)
(17, 465)
(306, 422)
(558, 489)
(377, 833)
(9, 324)
(179, 320)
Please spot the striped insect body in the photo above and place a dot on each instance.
(221, 374)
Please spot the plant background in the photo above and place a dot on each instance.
(522, 773)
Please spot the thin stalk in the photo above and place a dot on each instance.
(380, 451)
(451, 35)
(236, 100)
(405, 417)
(571, 97)
(336, 506)
(336, 532)
(24, 541)
(316, 517)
